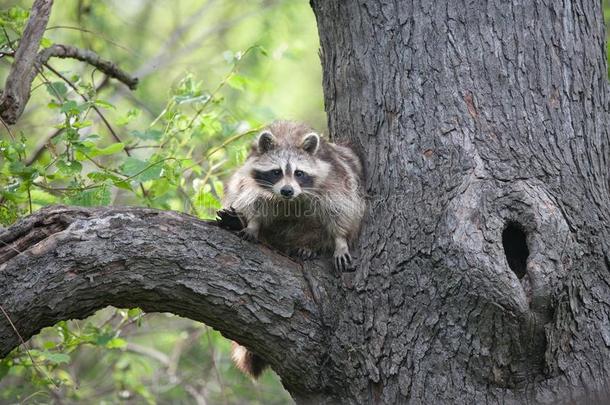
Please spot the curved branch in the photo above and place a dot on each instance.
(67, 262)
(85, 55)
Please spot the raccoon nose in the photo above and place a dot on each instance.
(287, 191)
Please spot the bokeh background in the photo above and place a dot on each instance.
(211, 72)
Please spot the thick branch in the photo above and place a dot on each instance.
(90, 57)
(67, 262)
(17, 89)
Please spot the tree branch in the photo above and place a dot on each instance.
(67, 262)
(90, 57)
(27, 63)
(19, 80)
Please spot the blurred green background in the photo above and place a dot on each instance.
(211, 73)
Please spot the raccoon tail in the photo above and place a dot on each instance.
(247, 361)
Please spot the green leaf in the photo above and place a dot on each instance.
(104, 104)
(263, 51)
(116, 343)
(219, 188)
(161, 187)
(69, 106)
(98, 196)
(134, 312)
(104, 338)
(122, 184)
(207, 201)
(186, 99)
(46, 42)
(141, 170)
(4, 368)
(69, 167)
(57, 89)
(103, 176)
(126, 119)
(55, 358)
(149, 134)
(82, 124)
(238, 82)
(108, 150)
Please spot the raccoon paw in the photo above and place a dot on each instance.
(247, 234)
(228, 218)
(343, 262)
(305, 254)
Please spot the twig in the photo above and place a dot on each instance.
(34, 364)
(85, 55)
(8, 129)
(41, 146)
(149, 352)
(85, 98)
(93, 33)
(99, 113)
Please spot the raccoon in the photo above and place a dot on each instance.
(300, 194)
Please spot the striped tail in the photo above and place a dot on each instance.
(247, 361)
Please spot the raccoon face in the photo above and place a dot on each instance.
(287, 171)
(283, 180)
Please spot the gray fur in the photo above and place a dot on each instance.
(324, 218)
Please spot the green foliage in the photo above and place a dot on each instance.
(189, 137)
(211, 74)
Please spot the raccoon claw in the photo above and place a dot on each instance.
(228, 218)
(305, 254)
(343, 262)
(247, 234)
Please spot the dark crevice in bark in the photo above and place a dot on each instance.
(514, 242)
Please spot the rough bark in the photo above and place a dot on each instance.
(16, 92)
(473, 119)
(107, 67)
(65, 263)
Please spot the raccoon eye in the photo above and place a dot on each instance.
(276, 172)
(299, 173)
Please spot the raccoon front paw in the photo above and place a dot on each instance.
(343, 261)
(228, 218)
(248, 234)
(305, 254)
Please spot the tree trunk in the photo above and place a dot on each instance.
(484, 272)
(484, 262)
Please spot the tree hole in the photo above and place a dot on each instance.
(515, 248)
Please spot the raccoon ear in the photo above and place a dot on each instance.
(265, 141)
(310, 143)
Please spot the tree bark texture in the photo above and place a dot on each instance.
(478, 122)
(64, 263)
(16, 92)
